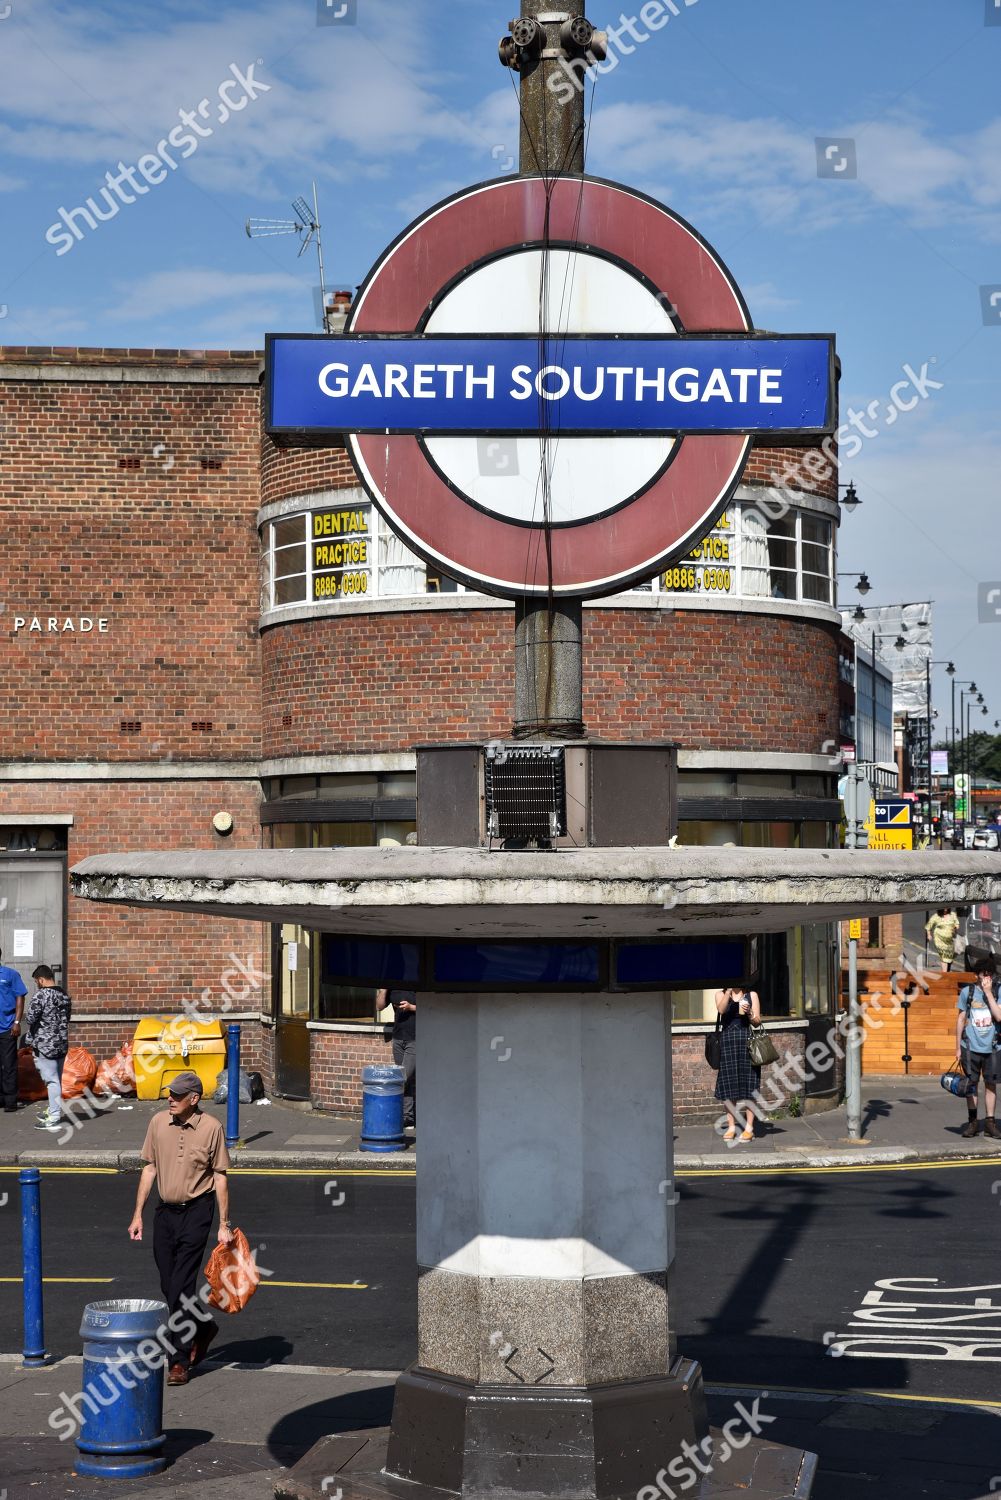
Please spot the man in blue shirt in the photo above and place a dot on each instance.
(976, 1040)
(12, 992)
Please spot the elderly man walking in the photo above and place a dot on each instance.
(185, 1154)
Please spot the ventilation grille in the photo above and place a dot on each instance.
(525, 791)
(201, 726)
(128, 463)
(130, 726)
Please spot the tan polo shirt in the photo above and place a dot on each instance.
(185, 1156)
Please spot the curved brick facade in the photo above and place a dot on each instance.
(299, 471)
(711, 680)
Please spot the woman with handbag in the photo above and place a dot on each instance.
(738, 1081)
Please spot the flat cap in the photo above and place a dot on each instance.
(185, 1083)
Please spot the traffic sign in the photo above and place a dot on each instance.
(855, 928)
(549, 386)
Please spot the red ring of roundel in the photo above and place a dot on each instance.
(601, 555)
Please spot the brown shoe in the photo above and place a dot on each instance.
(203, 1338)
(991, 1127)
(970, 1128)
(177, 1375)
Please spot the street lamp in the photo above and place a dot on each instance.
(967, 698)
(898, 643)
(964, 686)
(950, 668)
(863, 586)
(851, 500)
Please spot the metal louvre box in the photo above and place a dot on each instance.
(551, 794)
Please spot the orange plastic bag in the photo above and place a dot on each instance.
(117, 1075)
(232, 1274)
(79, 1072)
(29, 1084)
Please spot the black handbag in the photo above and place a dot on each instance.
(714, 1045)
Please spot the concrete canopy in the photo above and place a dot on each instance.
(428, 892)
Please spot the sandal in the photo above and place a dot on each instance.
(731, 1134)
(747, 1135)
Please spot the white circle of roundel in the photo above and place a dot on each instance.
(583, 294)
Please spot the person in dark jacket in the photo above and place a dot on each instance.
(404, 1003)
(46, 1032)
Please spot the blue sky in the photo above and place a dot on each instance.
(716, 114)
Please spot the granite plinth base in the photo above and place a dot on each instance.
(595, 1442)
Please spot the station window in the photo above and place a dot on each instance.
(341, 550)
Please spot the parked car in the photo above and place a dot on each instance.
(988, 837)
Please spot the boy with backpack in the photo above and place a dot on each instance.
(978, 1044)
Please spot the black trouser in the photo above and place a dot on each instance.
(8, 1069)
(179, 1239)
(405, 1056)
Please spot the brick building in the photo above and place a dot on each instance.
(211, 641)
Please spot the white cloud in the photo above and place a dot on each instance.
(764, 297)
(764, 168)
(78, 88)
(165, 292)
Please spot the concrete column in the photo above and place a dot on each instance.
(544, 1239)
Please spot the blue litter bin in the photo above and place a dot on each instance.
(382, 1108)
(121, 1405)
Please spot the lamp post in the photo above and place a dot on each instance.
(950, 668)
(899, 644)
(963, 685)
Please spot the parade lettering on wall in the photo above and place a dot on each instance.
(60, 625)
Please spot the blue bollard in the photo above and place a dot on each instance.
(35, 1353)
(382, 1108)
(121, 1404)
(233, 1085)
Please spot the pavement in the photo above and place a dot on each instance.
(239, 1429)
(903, 1120)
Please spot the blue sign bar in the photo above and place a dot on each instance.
(577, 385)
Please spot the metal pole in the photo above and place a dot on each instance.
(549, 685)
(928, 752)
(874, 700)
(853, 1056)
(35, 1353)
(971, 801)
(855, 837)
(233, 1084)
(952, 756)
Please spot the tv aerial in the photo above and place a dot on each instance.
(306, 226)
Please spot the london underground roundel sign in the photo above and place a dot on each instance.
(549, 395)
